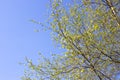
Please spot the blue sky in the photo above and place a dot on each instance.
(17, 36)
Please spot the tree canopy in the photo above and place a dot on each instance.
(89, 31)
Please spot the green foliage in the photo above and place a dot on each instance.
(89, 31)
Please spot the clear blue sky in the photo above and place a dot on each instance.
(17, 36)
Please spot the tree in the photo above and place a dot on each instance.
(89, 31)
